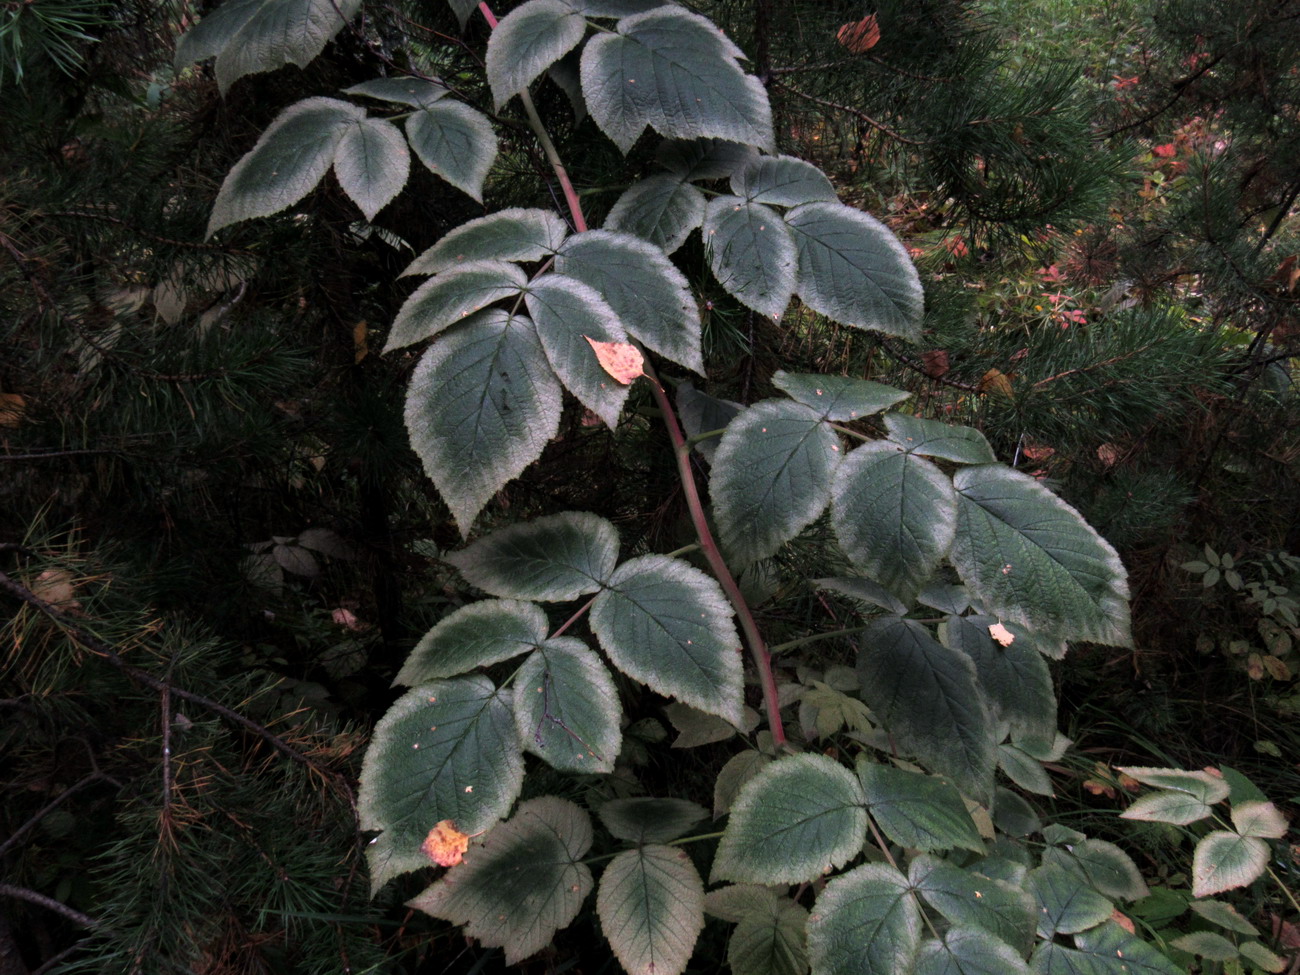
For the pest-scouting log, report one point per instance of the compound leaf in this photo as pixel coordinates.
(771, 476)
(1258, 819)
(415, 92)
(568, 314)
(644, 820)
(1178, 808)
(1065, 906)
(962, 445)
(452, 297)
(967, 898)
(646, 291)
(930, 697)
(854, 270)
(771, 941)
(1015, 677)
(527, 41)
(968, 951)
(675, 72)
(838, 397)
(667, 624)
(1102, 864)
(476, 635)
(1204, 786)
(372, 164)
(651, 908)
(516, 234)
(752, 253)
(782, 181)
(552, 559)
(1105, 950)
(918, 811)
(662, 209)
(894, 515)
(290, 158)
(795, 819)
(567, 708)
(445, 750)
(455, 142)
(699, 159)
(1031, 559)
(865, 922)
(522, 883)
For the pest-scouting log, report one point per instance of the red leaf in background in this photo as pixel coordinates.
(1166, 151)
(935, 362)
(861, 35)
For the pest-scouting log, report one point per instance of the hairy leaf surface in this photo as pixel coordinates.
(455, 142)
(445, 750)
(795, 819)
(645, 820)
(516, 234)
(567, 708)
(967, 898)
(838, 397)
(917, 811)
(415, 92)
(372, 164)
(675, 72)
(452, 297)
(1178, 808)
(481, 406)
(752, 253)
(527, 41)
(770, 941)
(522, 883)
(1065, 906)
(1014, 677)
(968, 951)
(476, 635)
(1224, 860)
(1031, 559)
(667, 624)
(662, 209)
(550, 559)
(698, 159)
(782, 181)
(963, 445)
(651, 908)
(771, 476)
(865, 922)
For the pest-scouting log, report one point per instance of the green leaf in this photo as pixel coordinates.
(782, 181)
(864, 591)
(1065, 906)
(1241, 789)
(702, 413)
(251, 36)
(1204, 786)
(930, 698)
(734, 902)
(771, 477)
(1123, 953)
(732, 778)
(700, 159)
(643, 821)
(967, 898)
(1224, 915)
(477, 635)
(567, 708)
(752, 253)
(1262, 958)
(290, 158)
(648, 294)
(771, 942)
(968, 951)
(463, 9)
(455, 142)
(894, 515)
(568, 313)
(1031, 559)
(1178, 808)
(452, 297)
(792, 821)
(522, 883)
(515, 234)
(372, 164)
(662, 209)
(552, 559)
(415, 92)
(1261, 819)
(445, 750)
(865, 922)
(527, 41)
(854, 270)
(947, 441)
(838, 397)
(1024, 770)
(1015, 678)
(1102, 864)
(1136, 959)
(1226, 860)
(481, 406)
(651, 908)
(695, 728)
(676, 72)
(614, 8)
(917, 811)
(667, 624)
(1207, 944)
(1013, 814)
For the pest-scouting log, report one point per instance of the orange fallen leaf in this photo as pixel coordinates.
(1123, 920)
(1002, 635)
(445, 845)
(860, 36)
(622, 360)
(995, 381)
(360, 343)
(1108, 454)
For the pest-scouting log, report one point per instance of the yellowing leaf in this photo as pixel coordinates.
(622, 360)
(995, 381)
(1002, 635)
(445, 845)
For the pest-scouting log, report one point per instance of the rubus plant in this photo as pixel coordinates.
(970, 575)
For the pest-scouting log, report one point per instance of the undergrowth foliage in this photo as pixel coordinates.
(897, 851)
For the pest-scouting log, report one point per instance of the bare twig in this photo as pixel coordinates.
(848, 110)
(25, 894)
(916, 366)
(48, 808)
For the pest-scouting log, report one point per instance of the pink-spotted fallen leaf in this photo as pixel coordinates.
(1002, 635)
(445, 844)
(622, 360)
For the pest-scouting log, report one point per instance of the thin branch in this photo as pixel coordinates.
(916, 366)
(55, 454)
(848, 110)
(48, 808)
(1090, 367)
(579, 614)
(25, 894)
